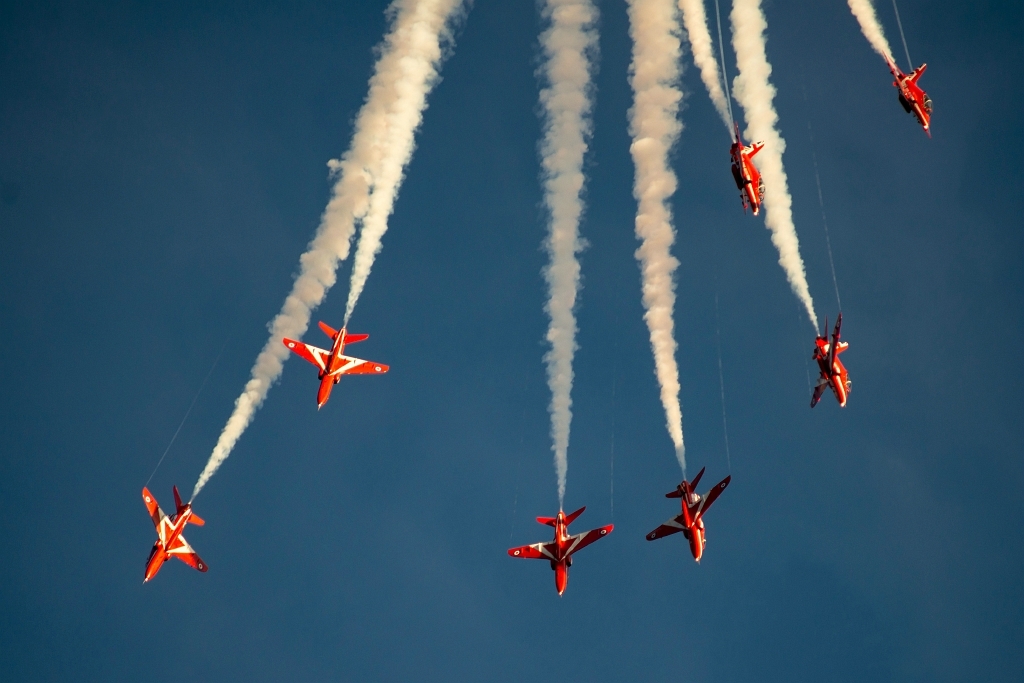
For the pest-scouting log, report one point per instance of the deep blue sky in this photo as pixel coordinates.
(162, 168)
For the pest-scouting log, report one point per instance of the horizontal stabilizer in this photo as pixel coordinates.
(328, 330)
(353, 338)
(678, 493)
(570, 518)
(196, 519)
(550, 521)
(696, 480)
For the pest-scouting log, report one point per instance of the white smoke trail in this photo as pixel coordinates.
(655, 127)
(381, 144)
(695, 21)
(756, 94)
(869, 26)
(569, 45)
(404, 113)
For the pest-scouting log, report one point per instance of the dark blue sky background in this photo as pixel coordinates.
(162, 168)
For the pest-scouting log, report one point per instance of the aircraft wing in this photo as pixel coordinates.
(537, 551)
(672, 526)
(310, 353)
(819, 389)
(358, 366)
(183, 551)
(712, 496)
(154, 509)
(580, 541)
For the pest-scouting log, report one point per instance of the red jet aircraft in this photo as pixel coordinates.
(690, 521)
(833, 373)
(747, 177)
(559, 551)
(914, 100)
(334, 363)
(170, 542)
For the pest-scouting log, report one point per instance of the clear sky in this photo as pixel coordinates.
(163, 165)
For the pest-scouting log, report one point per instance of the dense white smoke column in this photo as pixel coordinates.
(381, 145)
(865, 13)
(418, 67)
(695, 21)
(756, 94)
(655, 127)
(569, 44)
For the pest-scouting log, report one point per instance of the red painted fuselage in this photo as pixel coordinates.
(559, 551)
(333, 363)
(747, 177)
(833, 373)
(690, 520)
(170, 542)
(912, 98)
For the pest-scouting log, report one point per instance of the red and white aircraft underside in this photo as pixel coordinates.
(912, 98)
(559, 552)
(747, 177)
(170, 543)
(334, 363)
(690, 521)
(833, 372)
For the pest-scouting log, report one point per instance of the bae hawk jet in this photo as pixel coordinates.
(833, 372)
(334, 363)
(170, 543)
(691, 520)
(559, 552)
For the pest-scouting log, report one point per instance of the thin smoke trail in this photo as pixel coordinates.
(569, 44)
(864, 11)
(721, 378)
(655, 128)
(755, 94)
(903, 37)
(405, 72)
(824, 219)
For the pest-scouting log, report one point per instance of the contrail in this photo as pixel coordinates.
(655, 127)
(368, 178)
(569, 44)
(695, 21)
(865, 13)
(756, 94)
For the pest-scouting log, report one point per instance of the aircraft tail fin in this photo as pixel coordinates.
(328, 330)
(550, 521)
(178, 505)
(571, 517)
(917, 73)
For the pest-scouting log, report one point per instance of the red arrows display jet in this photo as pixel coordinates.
(691, 521)
(559, 552)
(833, 373)
(170, 543)
(914, 100)
(747, 177)
(334, 363)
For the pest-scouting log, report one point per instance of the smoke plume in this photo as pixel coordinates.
(695, 22)
(368, 178)
(569, 44)
(865, 13)
(755, 93)
(655, 127)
